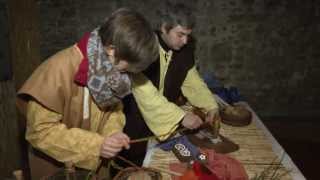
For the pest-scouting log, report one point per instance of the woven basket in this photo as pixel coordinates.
(63, 175)
(133, 173)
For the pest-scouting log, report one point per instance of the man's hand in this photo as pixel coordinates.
(113, 144)
(191, 121)
(213, 118)
(212, 115)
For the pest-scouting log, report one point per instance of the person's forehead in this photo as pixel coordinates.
(181, 29)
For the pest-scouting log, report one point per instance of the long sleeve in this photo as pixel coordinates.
(197, 92)
(47, 133)
(112, 122)
(161, 116)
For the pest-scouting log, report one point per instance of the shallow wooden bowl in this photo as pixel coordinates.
(236, 115)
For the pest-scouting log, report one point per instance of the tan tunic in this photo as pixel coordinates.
(52, 85)
(55, 123)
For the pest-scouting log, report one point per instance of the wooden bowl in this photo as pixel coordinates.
(236, 115)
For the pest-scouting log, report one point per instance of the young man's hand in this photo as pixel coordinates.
(212, 115)
(191, 121)
(113, 144)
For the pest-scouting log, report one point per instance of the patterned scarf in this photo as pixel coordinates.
(106, 84)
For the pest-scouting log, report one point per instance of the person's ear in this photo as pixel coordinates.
(163, 28)
(110, 50)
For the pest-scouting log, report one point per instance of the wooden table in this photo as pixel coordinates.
(258, 151)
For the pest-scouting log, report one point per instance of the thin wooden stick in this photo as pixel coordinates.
(167, 171)
(154, 168)
(204, 125)
(142, 139)
(127, 161)
(151, 137)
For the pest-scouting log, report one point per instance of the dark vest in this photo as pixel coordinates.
(182, 61)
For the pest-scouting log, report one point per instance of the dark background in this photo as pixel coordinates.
(268, 49)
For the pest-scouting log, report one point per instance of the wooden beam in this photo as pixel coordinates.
(24, 38)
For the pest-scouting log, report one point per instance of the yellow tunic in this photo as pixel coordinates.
(162, 116)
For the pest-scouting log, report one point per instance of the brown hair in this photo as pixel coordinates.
(132, 37)
(176, 14)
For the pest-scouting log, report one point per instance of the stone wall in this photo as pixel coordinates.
(268, 49)
(5, 65)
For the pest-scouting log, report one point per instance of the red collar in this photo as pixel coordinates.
(81, 77)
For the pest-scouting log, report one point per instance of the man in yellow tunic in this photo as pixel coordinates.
(72, 102)
(152, 108)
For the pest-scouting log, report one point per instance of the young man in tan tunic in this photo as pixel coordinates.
(72, 101)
